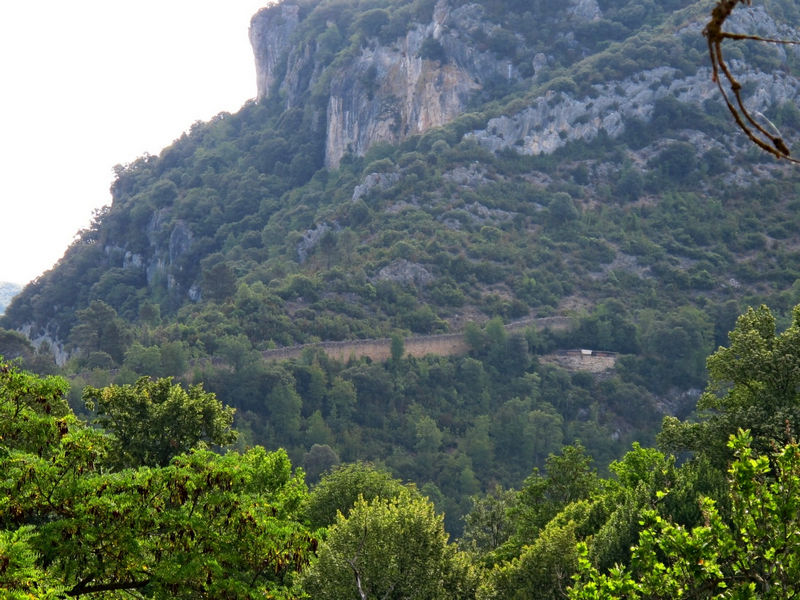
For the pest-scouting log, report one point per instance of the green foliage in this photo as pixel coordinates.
(21, 577)
(207, 258)
(488, 526)
(752, 383)
(542, 571)
(155, 420)
(100, 329)
(389, 548)
(204, 526)
(755, 555)
(15, 345)
(569, 478)
(370, 22)
(339, 490)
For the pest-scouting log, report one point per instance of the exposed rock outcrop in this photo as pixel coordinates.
(405, 272)
(385, 92)
(311, 238)
(424, 95)
(388, 91)
(373, 181)
(557, 118)
(270, 32)
(56, 346)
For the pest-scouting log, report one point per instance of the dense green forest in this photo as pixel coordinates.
(156, 453)
(114, 510)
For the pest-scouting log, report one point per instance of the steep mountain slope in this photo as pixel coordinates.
(626, 81)
(417, 166)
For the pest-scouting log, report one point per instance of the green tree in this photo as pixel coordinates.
(753, 383)
(284, 408)
(487, 525)
(100, 329)
(339, 490)
(317, 431)
(562, 210)
(568, 477)
(341, 399)
(754, 555)
(154, 420)
(389, 548)
(544, 568)
(143, 360)
(219, 282)
(398, 347)
(428, 437)
(206, 526)
(15, 345)
(319, 459)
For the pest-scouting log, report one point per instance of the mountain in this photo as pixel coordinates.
(7, 292)
(445, 119)
(412, 167)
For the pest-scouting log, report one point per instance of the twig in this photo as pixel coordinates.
(715, 35)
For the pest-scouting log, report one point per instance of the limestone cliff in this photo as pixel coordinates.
(387, 87)
(380, 92)
(248, 191)
(270, 34)
(555, 119)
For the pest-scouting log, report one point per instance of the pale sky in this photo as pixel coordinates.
(88, 84)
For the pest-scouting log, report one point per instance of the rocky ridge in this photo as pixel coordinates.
(386, 92)
(558, 118)
(384, 89)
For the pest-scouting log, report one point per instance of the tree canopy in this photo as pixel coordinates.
(204, 525)
(754, 555)
(753, 384)
(154, 420)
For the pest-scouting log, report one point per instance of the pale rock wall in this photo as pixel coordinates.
(557, 118)
(387, 92)
(60, 353)
(270, 32)
(553, 120)
(390, 93)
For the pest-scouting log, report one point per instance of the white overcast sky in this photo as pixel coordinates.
(88, 84)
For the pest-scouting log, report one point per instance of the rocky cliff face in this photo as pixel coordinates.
(383, 92)
(556, 119)
(334, 79)
(271, 31)
(397, 94)
(386, 91)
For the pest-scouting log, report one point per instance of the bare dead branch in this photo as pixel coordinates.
(352, 563)
(715, 35)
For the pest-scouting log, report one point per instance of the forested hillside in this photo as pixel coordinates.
(122, 511)
(420, 167)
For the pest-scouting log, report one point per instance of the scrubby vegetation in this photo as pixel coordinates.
(82, 514)
(121, 471)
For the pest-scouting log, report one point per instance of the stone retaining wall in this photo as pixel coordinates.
(379, 349)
